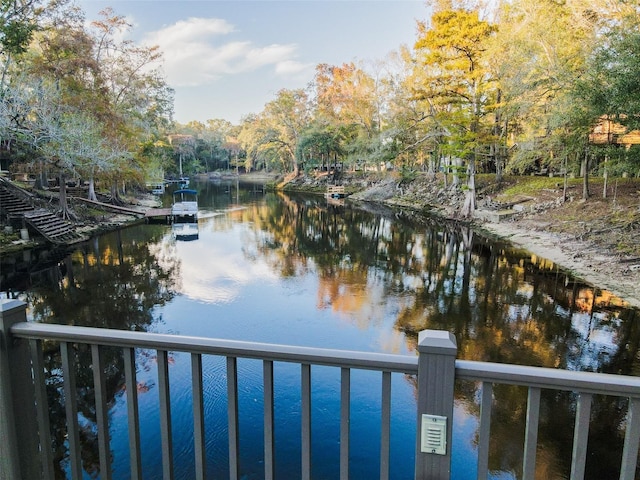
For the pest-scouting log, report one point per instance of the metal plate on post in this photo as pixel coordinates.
(434, 434)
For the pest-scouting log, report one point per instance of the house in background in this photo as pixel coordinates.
(608, 132)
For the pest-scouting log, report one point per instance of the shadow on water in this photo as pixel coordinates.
(295, 269)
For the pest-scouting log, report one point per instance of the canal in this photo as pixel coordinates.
(269, 267)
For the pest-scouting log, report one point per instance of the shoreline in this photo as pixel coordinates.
(593, 264)
(539, 232)
(582, 259)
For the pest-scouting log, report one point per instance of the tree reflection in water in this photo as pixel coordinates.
(502, 304)
(111, 282)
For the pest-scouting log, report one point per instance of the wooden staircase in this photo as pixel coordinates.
(52, 227)
(12, 204)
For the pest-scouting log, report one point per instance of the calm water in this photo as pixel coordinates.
(273, 268)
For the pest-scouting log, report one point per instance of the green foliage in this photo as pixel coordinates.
(407, 175)
(319, 143)
(522, 91)
(17, 25)
(453, 77)
(612, 87)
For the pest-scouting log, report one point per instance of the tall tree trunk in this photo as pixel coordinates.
(497, 132)
(606, 177)
(115, 196)
(470, 198)
(565, 183)
(65, 211)
(585, 176)
(445, 172)
(455, 164)
(41, 178)
(92, 189)
(494, 152)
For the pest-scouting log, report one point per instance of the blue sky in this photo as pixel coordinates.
(226, 59)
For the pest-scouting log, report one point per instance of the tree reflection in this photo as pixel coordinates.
(114, 281)
(502, 304)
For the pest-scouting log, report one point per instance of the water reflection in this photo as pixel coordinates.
(286, 269)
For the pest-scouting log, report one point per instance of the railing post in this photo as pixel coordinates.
(436, 374)
(19, 448)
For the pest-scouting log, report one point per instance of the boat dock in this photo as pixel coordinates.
(158, 215)
(335, 191)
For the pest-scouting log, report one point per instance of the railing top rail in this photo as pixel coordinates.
(550, 378)
(215, 346)
(546, 378)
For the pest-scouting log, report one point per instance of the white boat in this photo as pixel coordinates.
(184, 214)
(156, 188)
(185, 205)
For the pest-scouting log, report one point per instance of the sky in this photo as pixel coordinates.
(227, 59)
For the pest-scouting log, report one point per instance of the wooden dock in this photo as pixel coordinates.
(335, 191)
(158, 215)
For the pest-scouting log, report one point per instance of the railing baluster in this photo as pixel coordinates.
(42, 409)
(71, 409)
(306, 420)
(581, 435)
(345, 420)
(385, 427)
(133, 416)
(533, 377)
(484, 429)
(269, 427)
(232, 413)
(102, 419)
(165, 414)
(531, 434)
(198, 415)
(631, 441)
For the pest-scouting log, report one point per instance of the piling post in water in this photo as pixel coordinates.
(436, 375)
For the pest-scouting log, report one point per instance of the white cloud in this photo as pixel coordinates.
(291, 67)
(195, 52)
(192, 29)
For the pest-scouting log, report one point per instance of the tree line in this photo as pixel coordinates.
(521, 87)
(516, 87)
(78, 101)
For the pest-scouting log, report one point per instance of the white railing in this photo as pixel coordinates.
(25, 451)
